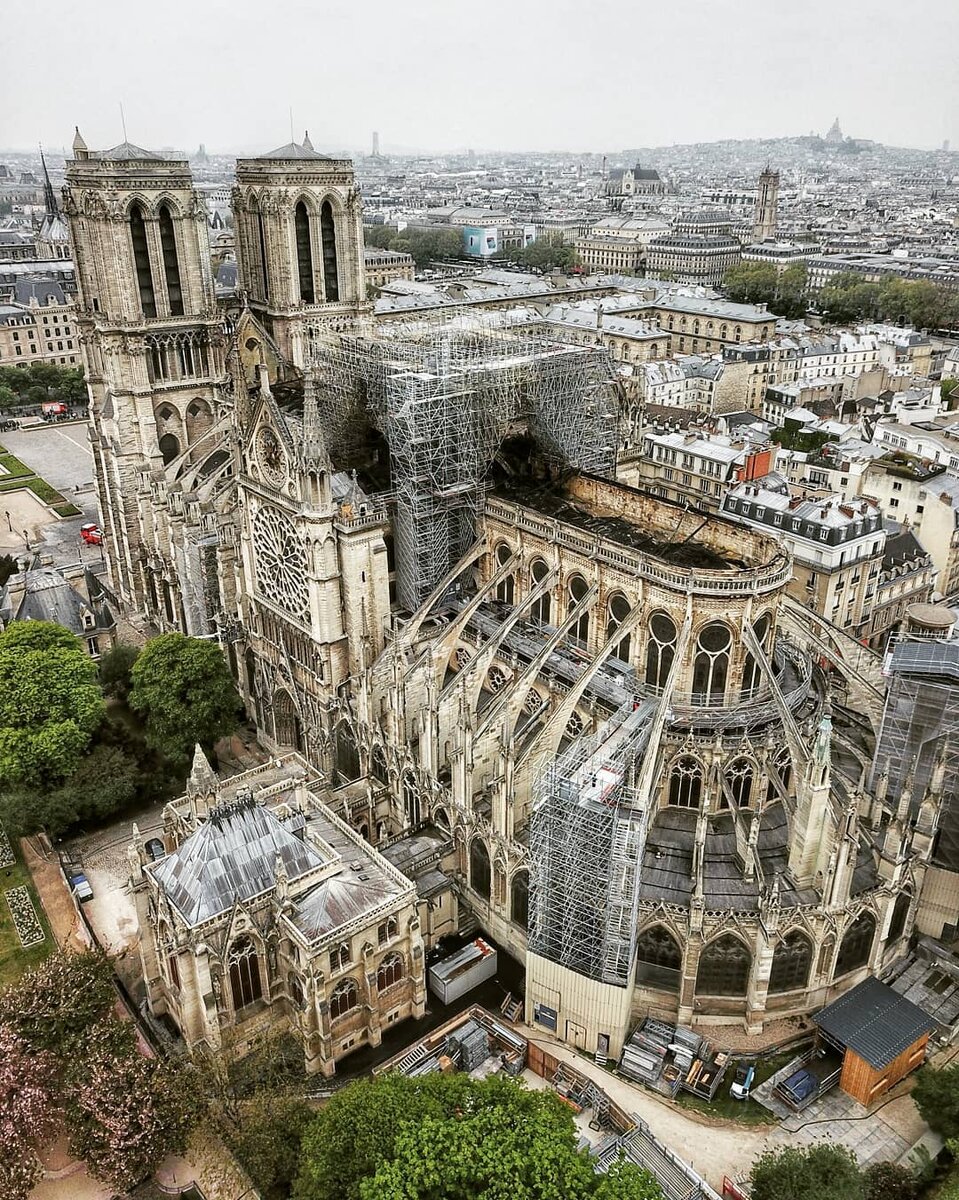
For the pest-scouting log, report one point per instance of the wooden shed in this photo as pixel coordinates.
(881, 1035)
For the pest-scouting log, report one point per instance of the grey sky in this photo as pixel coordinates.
(503, 74)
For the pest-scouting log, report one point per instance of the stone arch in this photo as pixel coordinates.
(711, 663)
(390, 971)
(856, 945)
(617, 610)
(330, 222)
(378, 765)
(287, 726)
(752, 672)
(660, 648)
(243, 965)
(170, 256)
(411, 799)
(303, 242)
(900, 911)
(506, 588)
(519, 898)
(741, 777)
(140, 250)
(686, 776)
(169, 446)
(344, 998)
(199, 419)
(792, 960)
(659, 959)
(347, 756)
(481, 872)
(576, 589)
(724, 967)
(540, 610)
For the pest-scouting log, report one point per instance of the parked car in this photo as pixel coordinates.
(155, 849)
(742, 1081)
(799, 1087)
(80, 886)
(92, 534)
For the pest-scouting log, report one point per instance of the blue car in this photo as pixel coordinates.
(799, 1087)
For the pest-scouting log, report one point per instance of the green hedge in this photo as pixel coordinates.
(14, 467)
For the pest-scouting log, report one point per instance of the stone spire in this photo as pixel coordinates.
(49, 195)
(202, 786)
(307, 144)
(79, 145)
(313, 451)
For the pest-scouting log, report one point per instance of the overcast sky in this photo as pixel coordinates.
(573, 75)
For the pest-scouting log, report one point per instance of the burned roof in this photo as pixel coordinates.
(231, 858)
(874, 1022)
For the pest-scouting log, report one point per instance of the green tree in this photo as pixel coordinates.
(50, 704)
(549, 252)
(889, 1181)
(116, 667)
(266, 1139)
(450, 1138)
(819, 1172)
(936, 1093)
(948, 392)
(751, 283)
(183, 689)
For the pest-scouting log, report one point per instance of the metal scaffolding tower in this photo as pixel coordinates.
(588, 825)
(444, 395)
(920, 722)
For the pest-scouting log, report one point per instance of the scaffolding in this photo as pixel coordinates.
(444, 395)
(588, 825)
(920, 723)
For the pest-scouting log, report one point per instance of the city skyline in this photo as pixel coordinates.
(625, 78)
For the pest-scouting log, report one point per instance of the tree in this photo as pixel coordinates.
(549, 252)
(116, 667)
(947, 390)
(890, 1181)
(936, 1093)
(446, 1137)
(126, 1113)
(28, 1112)
(53, 1006)
(50, 704)
(183, 689)
(266, 1139)
(819, 1172)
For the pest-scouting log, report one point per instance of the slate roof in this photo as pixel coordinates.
(127, 152)
(874, 1022)
(231, 857)
(294, 150)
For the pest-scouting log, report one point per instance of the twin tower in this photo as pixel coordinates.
(152, 336)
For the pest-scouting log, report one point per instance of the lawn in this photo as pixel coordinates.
(21, 476)
(14, 960)
(746, 1112)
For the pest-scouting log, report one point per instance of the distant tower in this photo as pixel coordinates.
(299, 244)
(835, 133)
(767, 206)
(376, 144)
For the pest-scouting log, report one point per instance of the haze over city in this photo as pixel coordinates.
(436, 76)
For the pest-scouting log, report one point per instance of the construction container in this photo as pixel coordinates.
(458, 974)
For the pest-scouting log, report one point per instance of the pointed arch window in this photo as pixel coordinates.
(617, 610)
(519, 899)
(389, 972)
(540, 609)
(899, 913)
(686, 782)
(171, 264)
(343, 998)
(576, 590)
(792, 959)
(480, 875)
(659, 959)
(340, 957)
(411, 801)
(506, 588)
(264, 271)
(711, 664)
(856, 945)
(660, 649)
(739, 776)
(328, 237)
(141, 262)
(304, 252)
(724, 968)
(752, 672)
(245, 985)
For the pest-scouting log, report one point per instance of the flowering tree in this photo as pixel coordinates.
(126, 1112)
(59, 1000)
(28, 1112)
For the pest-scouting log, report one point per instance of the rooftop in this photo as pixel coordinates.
(874, 1022)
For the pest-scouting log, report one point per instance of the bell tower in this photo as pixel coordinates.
(766, 216)
(151, 338)
(299, 245)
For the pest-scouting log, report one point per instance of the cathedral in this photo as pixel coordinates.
(535, 701)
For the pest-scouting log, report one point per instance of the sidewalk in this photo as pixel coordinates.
(54, 895)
